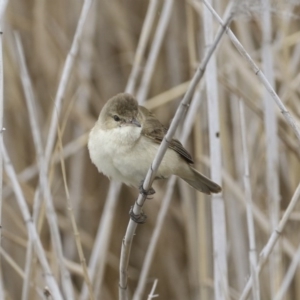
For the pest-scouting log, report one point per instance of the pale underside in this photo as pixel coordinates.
(124, 155)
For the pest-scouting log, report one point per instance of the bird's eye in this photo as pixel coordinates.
(116, 118)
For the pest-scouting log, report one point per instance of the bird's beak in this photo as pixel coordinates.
(136, 122)
(132, 122)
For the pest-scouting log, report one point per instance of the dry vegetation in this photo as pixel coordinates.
(183, 261)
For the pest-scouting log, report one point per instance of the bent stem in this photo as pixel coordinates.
(265, 253)
(127, 241)
(262, 78)
(31, 228)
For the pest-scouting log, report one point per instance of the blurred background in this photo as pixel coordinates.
(103, 61)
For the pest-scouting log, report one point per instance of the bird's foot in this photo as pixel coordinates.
(139, 219)
(150, 192)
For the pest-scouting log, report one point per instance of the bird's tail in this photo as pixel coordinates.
(202, 183)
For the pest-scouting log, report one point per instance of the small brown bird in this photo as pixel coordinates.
(125, 139)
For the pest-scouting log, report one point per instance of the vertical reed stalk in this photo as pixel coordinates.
(218, 207)
(249, 208)
(272, 157)
(2, 9)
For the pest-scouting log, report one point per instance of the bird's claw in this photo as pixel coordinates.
(139, 219)
(150, 192)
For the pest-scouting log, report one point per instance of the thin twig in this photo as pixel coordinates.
(35, 129)
(235, 219)
(258, 215)
(74, 225)
(12, 262)
(151, 295)
(167, 96)
(27, 271)
(286, 114)
(272, 156)
(31, 228)
(53, 126)
(187, 127)
(2, 9)
(219, 232)
(155, 47)
(69, 149)
(51, 215)
(145, 34)
(265, 253)
(98, 256)
(65, 78)
(138, 294)
(126, 245)
(97, 261)
(249, 207)
(77, 171)
(289, 276)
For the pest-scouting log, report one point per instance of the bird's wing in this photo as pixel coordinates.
(155, 131)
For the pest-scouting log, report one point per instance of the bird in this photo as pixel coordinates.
(124, 142)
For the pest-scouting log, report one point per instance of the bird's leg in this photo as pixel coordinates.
(151, 191)
(140, 218)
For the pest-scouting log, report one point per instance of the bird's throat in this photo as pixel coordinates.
(126, 135)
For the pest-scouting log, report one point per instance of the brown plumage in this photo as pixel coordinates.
(125, 139)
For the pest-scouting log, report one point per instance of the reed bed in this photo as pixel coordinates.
(63, 223)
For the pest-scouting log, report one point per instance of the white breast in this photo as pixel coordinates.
(109, 148)
(123, 155)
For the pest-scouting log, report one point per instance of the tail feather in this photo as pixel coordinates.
(202, 183)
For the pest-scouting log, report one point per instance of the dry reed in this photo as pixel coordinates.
(73, 56)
